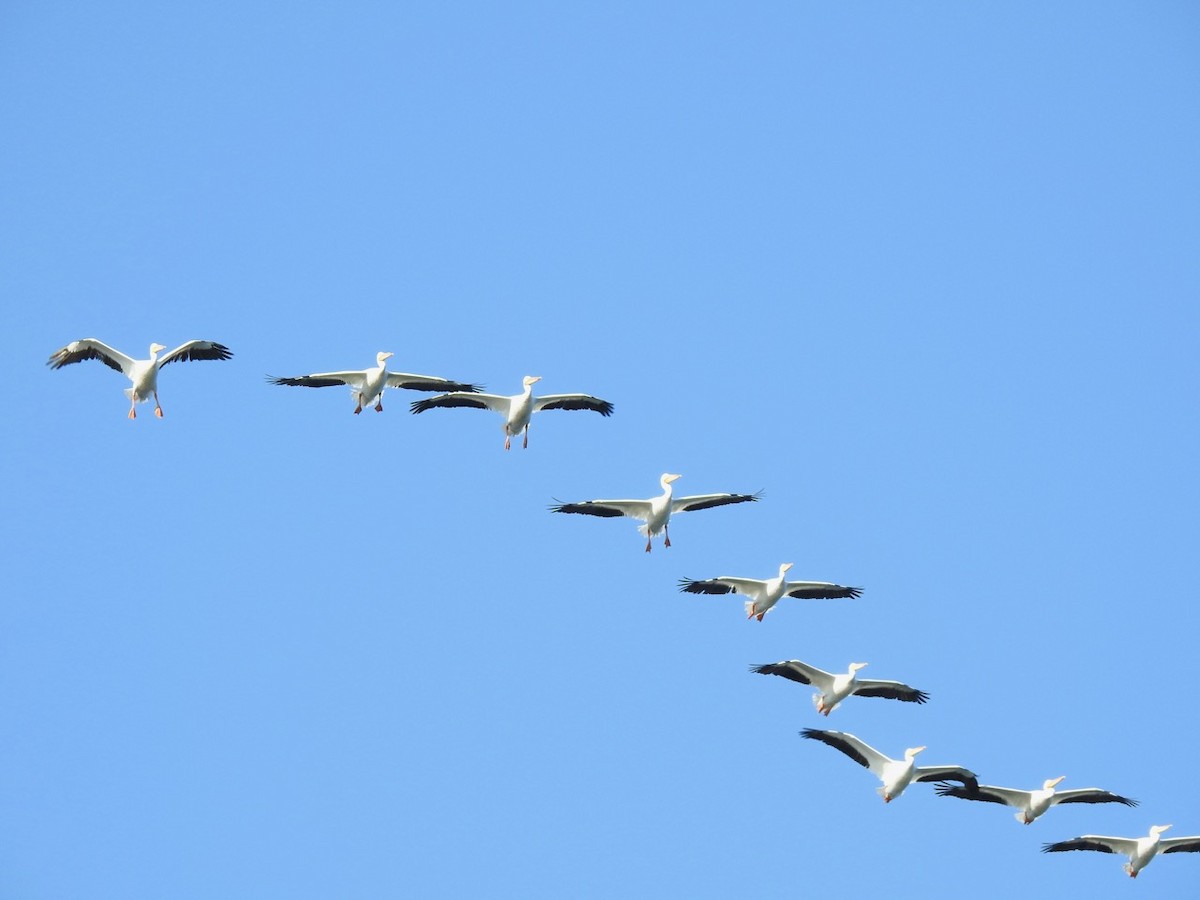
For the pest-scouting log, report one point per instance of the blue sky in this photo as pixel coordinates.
(923, 273)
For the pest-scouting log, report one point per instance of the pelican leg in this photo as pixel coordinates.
(525, 442)
(760, 615)
(507, 441)
(666, 536)
(358, 408)
(157, 406)
(647, 543)
(133, 410)
(379, 405)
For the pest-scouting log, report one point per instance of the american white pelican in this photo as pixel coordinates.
(1032, 804)
(833, 689)
(655, 512)
(765, 594)
(369, 384)
(896, 774)
(1139, 850)
(142, 372)
(517, 409)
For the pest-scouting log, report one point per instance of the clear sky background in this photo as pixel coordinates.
(925, 273)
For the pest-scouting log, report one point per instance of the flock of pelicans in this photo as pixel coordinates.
(367, 387)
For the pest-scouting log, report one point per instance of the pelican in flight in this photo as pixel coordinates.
(655, 512)
(143, 373)
(1139, 850)
(517, 409)
(765, 594)
(896, 774)
(833, 689)
(1031, 804)
(369, 384)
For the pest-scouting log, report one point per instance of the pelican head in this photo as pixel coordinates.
(1159, 829)
(854, 667)
(785, 567)
(531, 380)
(383, 356)
(157, 348)
(911, 752)
(668, 478)
(1051, 783)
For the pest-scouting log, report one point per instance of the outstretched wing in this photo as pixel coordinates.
(1089, 795)
(634, 509)
(890, 690)
(862, 753)
(707, 501)
(1189, 844)
(323, 379)
(1098, 842)
(90, 348)
(572, 401)
(194, 350)
(793, 670)
(821, 590)
(722, 585)
(469, 399)
(429, 383)
(983, 792)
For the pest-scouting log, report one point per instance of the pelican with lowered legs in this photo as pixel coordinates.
(517, 409)
(368, 385)
(657, 511)
(1139, 851)
(1031, 804)
(142, 373)
(896, 774)
(833, 689)
(763, 594)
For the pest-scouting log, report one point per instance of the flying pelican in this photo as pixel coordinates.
(896, 774)
(1032, 804)
(833, 689)
(142, 372)
(369, 384)
(765, 594)
(517, 409)
(655, 512)
(1139, 850)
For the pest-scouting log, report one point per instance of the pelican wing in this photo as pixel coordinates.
(194, 350)
(573, 401)
(794, 670)
(470, 399)
(429, 383)
(1189, 844)
(1089, 795)
(890, 690)
(90, 348)
(863, 754)
(707, 501)
(1098, 842)
(722, 585)
(634, 509)
(323, 379)
(821, 590)
(946, 773)
(983, 792)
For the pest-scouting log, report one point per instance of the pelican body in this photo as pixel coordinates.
(895, 774)
(657, 511)
(1032, 804)
(367, 385)
(1139, 851)
(142, 373)
(517, 409)
(764, 594)
(833, 689)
